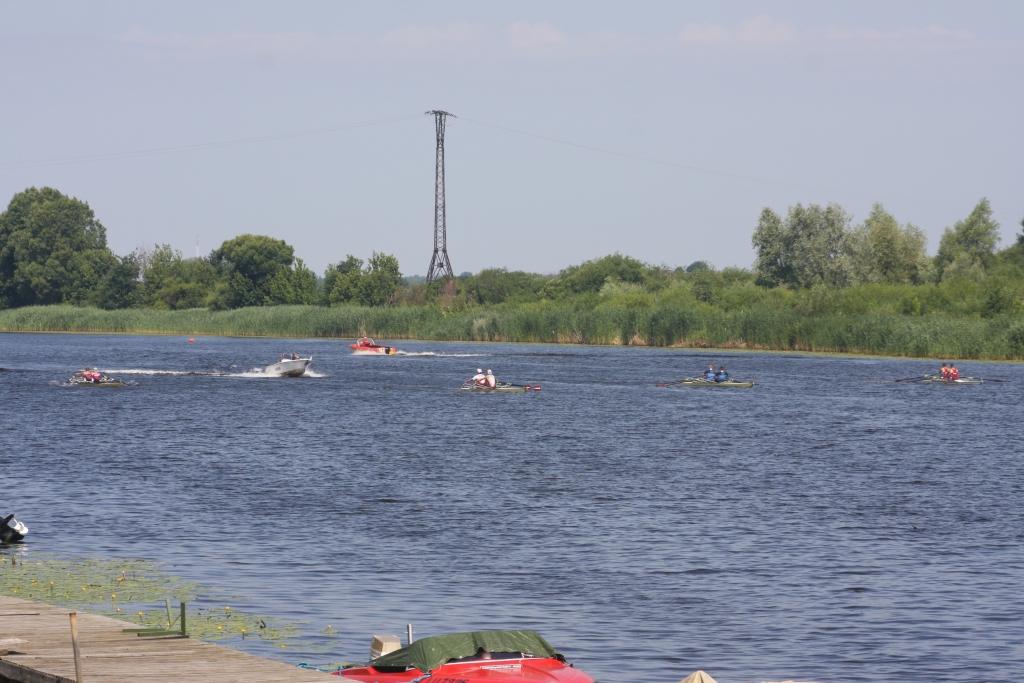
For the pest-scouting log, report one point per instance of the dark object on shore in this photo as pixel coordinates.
(11, 530)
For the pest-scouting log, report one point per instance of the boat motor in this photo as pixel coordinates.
(11, 530)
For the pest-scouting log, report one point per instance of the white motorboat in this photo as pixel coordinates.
(289, 366)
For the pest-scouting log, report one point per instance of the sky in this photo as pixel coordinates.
(659, 130)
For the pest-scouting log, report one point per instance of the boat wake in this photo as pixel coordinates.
(166, 373)
(439, 355)
(68, 384)
(258, 373)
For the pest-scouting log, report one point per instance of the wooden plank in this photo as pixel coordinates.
(43, 653)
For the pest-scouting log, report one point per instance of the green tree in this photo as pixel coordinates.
(882, 251)
(773, 258)
(380, 281)
(172, 282)
(254, 269)
(807, 249)
(341, 281)
(118, 287)
(590, 276)
(968, 248)
(52, 250)
(698, 267)
(497, 285)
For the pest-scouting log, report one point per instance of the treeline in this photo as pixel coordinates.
(53, 250)
(819, 282)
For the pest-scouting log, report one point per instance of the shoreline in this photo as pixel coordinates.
(668, 326)
(739, 347)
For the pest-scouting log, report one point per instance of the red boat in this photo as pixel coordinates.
(473, 657)
(366, 346)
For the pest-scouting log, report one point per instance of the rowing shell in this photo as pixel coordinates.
(698, 382)
(962, 380)
(501, 388)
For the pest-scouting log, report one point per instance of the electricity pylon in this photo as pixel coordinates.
(440, 266)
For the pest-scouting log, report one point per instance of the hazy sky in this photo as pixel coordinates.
(654, 129)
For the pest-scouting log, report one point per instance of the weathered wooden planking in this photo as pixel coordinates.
(37, 649)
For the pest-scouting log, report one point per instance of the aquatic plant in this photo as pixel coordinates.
(885, 319)
(137, 591)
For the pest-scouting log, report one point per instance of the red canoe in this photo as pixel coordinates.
(475, 657)
(366, 346)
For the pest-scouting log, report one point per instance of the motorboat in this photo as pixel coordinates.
(91, 377)
(500, 387)
(702, 382)
(11, 530)
(288, 366)
(364, 346)
(471, 657)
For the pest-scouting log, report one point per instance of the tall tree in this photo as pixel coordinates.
(248, 265)
(882, 251)
(807, 249)
(773, 259)
(52, 249)
(341, 281)
(380, 281)
(118, 286)
(170, 281)
(968, 248)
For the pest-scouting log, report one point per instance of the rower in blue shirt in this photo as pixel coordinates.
(721, 375)
(709, 374)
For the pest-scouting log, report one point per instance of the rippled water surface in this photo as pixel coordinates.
(829, 524)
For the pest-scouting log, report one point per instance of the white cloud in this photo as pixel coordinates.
(705, 34)
(766, 31)
(429, 38)
(524, 39)
(932, 34)
(534, 38)
(751, 32)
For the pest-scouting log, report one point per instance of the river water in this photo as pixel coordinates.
(828, 525)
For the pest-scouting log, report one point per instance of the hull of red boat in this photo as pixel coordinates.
(540, 670)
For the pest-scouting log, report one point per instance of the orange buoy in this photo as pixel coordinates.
(191, 340)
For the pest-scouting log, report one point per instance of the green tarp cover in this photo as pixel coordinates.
(426, 654)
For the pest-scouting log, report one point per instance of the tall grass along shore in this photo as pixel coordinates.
(614, 323)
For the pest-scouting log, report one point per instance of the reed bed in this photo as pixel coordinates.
(809, 321)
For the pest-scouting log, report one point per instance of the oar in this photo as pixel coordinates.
(670, 384)
(996, 380)
(915, 378)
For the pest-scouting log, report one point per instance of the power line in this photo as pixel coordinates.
(200, 146)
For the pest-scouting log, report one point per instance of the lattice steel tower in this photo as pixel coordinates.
(440, 266)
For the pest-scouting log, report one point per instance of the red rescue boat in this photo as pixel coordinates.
(365, 346)
(474, 657)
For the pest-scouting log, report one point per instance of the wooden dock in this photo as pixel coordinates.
(35, 647)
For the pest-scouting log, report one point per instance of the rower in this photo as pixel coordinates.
(479, 378)
(709, 374)
(492, 381)
(721, 375)
(944, 372)
(954, 374)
